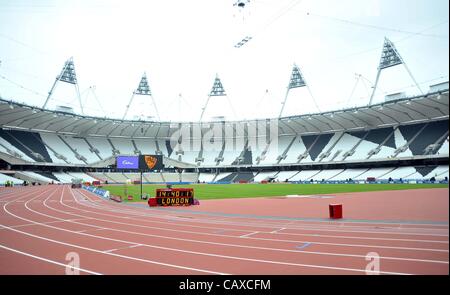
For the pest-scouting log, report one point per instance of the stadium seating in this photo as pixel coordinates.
(34, 177)
(297, 148)
(305, 175)
(102, 145)
(82, 176)
(61, 152)
(63, 177)
(146, 146)
(378, 173)
(13, 151)
(285, 175)
(80, 146)
(189, 177)
(261, 176)
(349, 174)
(206, 177)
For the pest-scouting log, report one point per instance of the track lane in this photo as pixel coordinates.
(257, 258)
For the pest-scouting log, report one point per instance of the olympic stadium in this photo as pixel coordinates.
(264, 187)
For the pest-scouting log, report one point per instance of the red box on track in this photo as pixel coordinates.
(152, 202)
(335, 211)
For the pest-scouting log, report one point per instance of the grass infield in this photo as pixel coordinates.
(226, 191)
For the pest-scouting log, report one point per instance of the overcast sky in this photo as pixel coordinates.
(182, 45)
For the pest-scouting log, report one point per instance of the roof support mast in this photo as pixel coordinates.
(297, 81)
(389, 58)
(217, 90)
(143, 89)
(67, 75)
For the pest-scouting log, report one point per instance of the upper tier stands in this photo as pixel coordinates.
(430, 138)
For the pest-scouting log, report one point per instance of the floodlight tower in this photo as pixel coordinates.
(390, 58)
(143, 89)
(216, 91)
(297, 81)
(67, 75)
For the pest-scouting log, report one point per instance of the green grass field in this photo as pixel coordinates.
(224, 191)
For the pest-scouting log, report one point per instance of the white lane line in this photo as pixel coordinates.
(249, 234)
(251, 247)
(277, 230)
(48, 260)
(91, 229)
(94, 250)
(123, 248)
(277, 240)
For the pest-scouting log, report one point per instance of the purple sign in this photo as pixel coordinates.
(127, 162)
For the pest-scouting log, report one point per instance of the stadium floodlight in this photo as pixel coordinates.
(67, 75)
(143, 89)
(390, 57)
(296, 81)
(216, 90)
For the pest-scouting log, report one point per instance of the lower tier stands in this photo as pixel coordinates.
(4, 178)
(439, 173)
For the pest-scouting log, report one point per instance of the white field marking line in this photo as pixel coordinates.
(184, 231)
(47, 260)
(254, 247)
(185, 251)
(249, 234)
(244, 225)
(94, 250)
(211, 221)
(277, 230)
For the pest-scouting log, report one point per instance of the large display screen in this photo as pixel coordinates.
(127, 162)
(151, 162)
(142, 162)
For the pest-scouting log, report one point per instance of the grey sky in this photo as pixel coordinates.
(182, 45)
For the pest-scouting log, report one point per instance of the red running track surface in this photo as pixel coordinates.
(41, 226)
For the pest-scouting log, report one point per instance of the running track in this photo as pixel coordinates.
(39, 226)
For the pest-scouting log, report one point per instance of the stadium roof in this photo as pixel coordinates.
(432, 106)
(181, 45)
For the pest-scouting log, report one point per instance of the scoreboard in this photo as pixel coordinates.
(175, 197)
